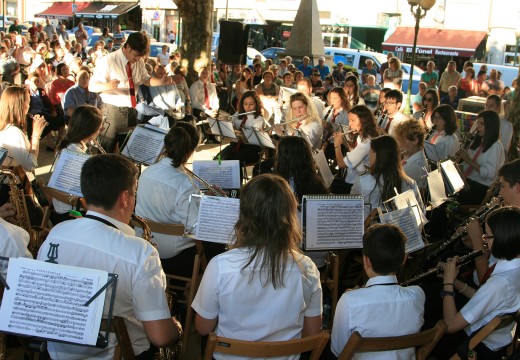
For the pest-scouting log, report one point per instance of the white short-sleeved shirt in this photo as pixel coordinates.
(140, 287)
(113, 67)
(446, 145)
(499, 295)
(16, 142)
(246, 310)
(163, 196)
(489, 161)
(380, 309)
(13, 243)
(356, 159)
(197, 95)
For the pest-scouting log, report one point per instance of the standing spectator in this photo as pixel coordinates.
(49, 29)
(385, 65)
(393, 76)
(322, 68)
(164, 57)
(81, 35)
(257, 74)
(15, 26)
(339, 74)
(277, 80)
(430, 77)
(317, 83)
(171, 37)
(468, 85)
(449, 78)
(63, 33)
(33, 30)
(493, 85)
(466, 65)
(369, 69)
(305, 67)
(119, 37)
(105, 36)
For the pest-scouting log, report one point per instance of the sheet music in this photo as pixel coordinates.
(145, 144)
(436, 188)
(407, 199)
(259, 138)
(222, 128)
(333, 222)
(225, 175)
(432, 151)
(456, 183)
(67, 172)
(323, 167)
(217, 219)
(47, 300)
(405, 220)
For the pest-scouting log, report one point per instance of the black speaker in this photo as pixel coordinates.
(232, 45)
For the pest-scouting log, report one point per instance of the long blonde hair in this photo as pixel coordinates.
(12, 107)
(312, 112)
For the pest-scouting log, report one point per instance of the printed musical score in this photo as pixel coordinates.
(145, 144)
(222, 128)
(405, 220)
(405, 200)
(333, 222)
(66, 174)
(453, 179)
(217, 219)
(47, 301)
(260, 138)
(436, 188)
(323, 167)
(226, 175)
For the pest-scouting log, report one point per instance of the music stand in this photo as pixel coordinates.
(224, 129)
(258, 138)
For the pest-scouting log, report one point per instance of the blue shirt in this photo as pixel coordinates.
(77, 96)
(324, 71)
(306, 70)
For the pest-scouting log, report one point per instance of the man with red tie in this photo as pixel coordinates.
(393, 102)
(117, 77)
(204, 99)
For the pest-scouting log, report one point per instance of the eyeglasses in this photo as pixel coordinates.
(390, 102)
(486, 237)
(429, 99)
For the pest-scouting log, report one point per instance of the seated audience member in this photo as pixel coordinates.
(370, 92)
(264, 265)
(106, 242)
(452, 99)
(410, 136)
(382, 308)
(417, 98)
(79, 94)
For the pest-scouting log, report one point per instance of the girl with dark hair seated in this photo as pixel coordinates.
(483, 159)
(443, 135)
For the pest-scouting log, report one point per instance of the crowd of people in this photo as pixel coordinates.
(264, 287)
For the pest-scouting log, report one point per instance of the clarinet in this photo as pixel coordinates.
(463, 260)
(382, 118)
(480, 214)
(327, 128)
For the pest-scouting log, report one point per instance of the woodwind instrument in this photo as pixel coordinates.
(480, 214)
(300, 118)
(147, 233)
(17, 198)
(383, 117)
(463, 260)
(216, 190)
(379, 110)
(327, 127)
(465, 142)
(429, 133)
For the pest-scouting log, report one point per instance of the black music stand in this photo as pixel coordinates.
(223, 129)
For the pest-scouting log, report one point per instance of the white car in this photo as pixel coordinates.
(251, 53)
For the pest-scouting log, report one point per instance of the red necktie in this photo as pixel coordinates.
(333, 120)
(470, 169)
(133, 99)
(298, 125)
(206, 97)
(388, 124)
(432, 140)
(487, 274)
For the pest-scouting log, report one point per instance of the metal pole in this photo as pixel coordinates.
(417, 15)
(227, 8)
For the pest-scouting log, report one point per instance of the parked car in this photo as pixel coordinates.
(251, 53)
(156, 48)
(272, 53)
(509, 73)
(417, 72)
(92, 39)
(90, 30)
(128, 32)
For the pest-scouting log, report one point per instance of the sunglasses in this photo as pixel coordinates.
(428, 99)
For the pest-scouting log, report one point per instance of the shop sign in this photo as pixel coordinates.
(286, 34)
(430, 51)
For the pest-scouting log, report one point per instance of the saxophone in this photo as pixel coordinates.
(147, 233)
(17, 198)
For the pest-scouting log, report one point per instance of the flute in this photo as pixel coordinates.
(216, 190)
(300, 118)
(463, 260)
(343, 133)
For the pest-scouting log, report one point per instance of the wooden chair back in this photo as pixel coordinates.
(123, 349)
(424, 342)
(51, 194)
(496, 323)
(263, 349)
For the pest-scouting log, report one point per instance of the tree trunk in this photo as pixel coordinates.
(197, 31)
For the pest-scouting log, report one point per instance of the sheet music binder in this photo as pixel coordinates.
(257, 137)
(138, 157)
(102, 341)
(222, 128)
(348, 233)
(454, 180)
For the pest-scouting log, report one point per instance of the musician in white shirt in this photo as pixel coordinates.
(444, 132)
(393, 102)
(13, 239)
(410, 137)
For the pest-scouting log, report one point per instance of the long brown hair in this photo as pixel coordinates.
(268, 225)
(12, 107)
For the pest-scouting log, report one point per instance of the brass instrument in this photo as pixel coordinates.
(463, 260)
(480, 214)
(17, 198)
(216, 190)
(98, 146)
(147, 233)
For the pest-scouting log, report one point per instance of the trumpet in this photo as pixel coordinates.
(463, 260)
(480, 214)
(216, 190)
(98, 146)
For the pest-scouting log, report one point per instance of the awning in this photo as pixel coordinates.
(435, 42)
(62, 9)
(106, 9)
